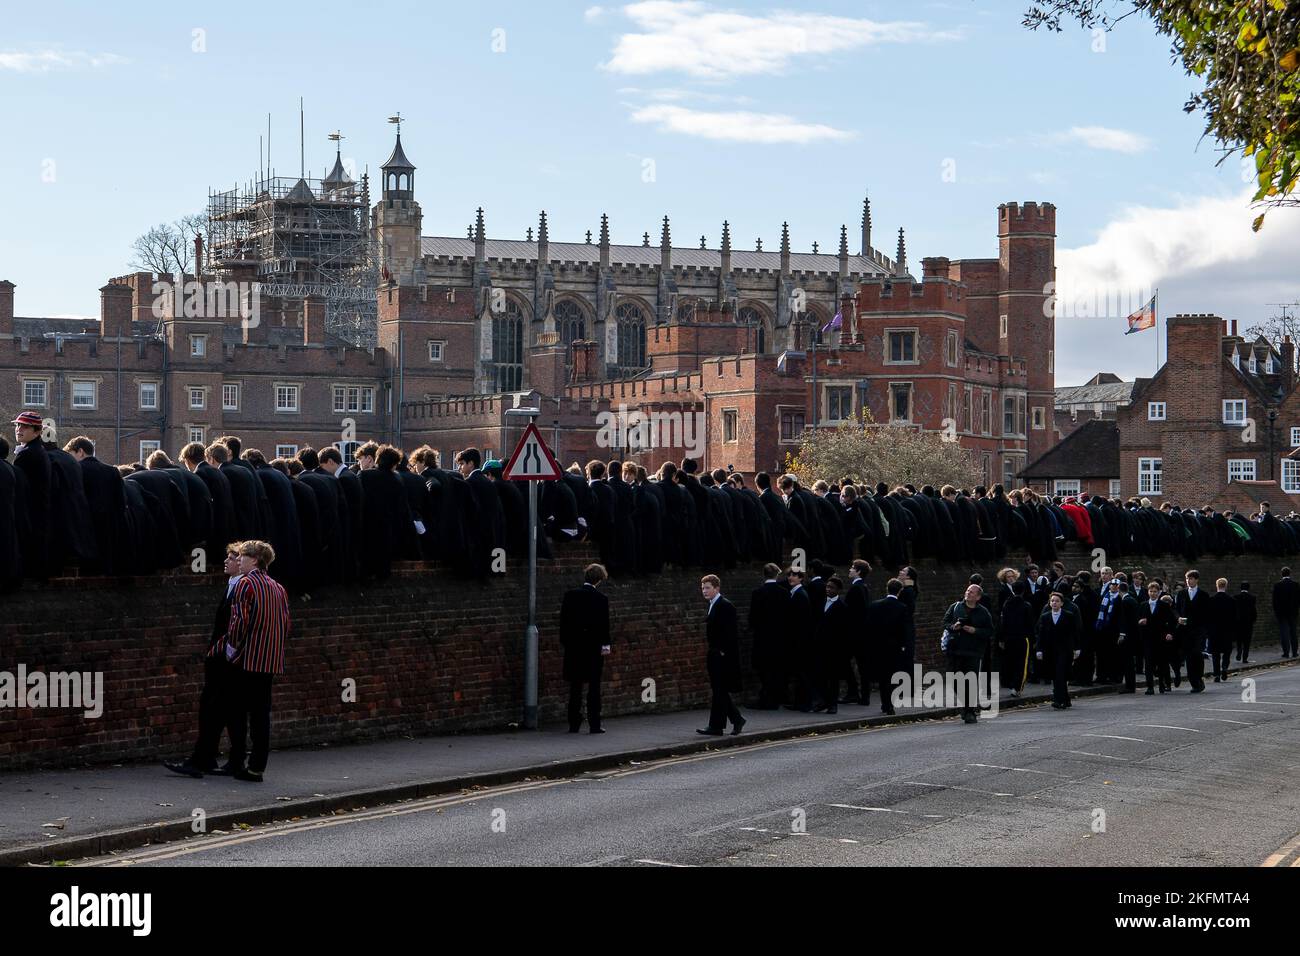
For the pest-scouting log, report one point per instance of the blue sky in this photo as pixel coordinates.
(752, 112)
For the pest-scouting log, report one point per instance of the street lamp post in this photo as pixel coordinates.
(530, 633)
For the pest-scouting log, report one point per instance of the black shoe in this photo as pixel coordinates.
(248, 776)
(887, 711)
(574, 728)
(737, 726)
(183, 767)
(1058, 707)
(849, 700)
(1151, 691)
(832, 710)
(710, 732)
(596, 730)
(1197, 690)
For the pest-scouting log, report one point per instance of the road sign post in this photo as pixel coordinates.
(532, 462)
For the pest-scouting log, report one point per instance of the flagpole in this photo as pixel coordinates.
(1157, 311)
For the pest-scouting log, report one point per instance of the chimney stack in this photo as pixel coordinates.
(584, 361)
(116, 308)
(313, 321)
(1288, 365)
(935, 267)
(6, 308)
(198, 255)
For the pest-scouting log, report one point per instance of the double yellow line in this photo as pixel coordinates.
(171, 851)
(1276, 859)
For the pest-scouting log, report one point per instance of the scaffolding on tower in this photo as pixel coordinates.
(308, 237)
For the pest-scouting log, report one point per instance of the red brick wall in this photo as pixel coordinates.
(429, 653)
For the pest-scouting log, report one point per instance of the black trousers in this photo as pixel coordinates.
(250, 715)
(883, 668)
(1061, 679)
(1127, 661)
(219, 683)
(967, 691)
(593, 697)
(1243, 645)
(1220, 655)
(860, 689)
(1193, 647)
(722, 708)
(1153, 658)
(1015, 663)
(1045, 670)
(1286, 632)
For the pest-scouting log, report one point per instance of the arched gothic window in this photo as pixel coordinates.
(508, 349)
(631, 322)
(753, 318)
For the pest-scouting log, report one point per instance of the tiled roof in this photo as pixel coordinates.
(1090, 451)
(1118, 392)
(683, 257)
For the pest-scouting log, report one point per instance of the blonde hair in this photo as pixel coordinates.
(262, 552)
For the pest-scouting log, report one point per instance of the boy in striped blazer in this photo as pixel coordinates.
(254, 645)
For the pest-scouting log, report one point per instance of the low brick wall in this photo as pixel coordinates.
(429, 653)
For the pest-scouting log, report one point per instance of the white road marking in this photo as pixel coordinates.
(993, 766)
(1230, 710)
(1225, 720)
(849, 806)
(1190, 730)
(601, 861)
(1138, 740)
(1086, 753)
(662, 863)
(945, 786)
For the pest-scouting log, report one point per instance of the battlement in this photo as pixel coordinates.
(686, 385)
(1028, 217)
(935, 293)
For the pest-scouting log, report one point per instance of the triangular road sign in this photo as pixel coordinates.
(532, 460)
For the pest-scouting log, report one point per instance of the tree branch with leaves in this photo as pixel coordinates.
(1247, 55)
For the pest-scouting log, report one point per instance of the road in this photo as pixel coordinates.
(1175, 780)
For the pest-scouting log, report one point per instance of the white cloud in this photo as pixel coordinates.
(736, 127)
(676, 95)
(592, 13)
(47, 61)
(1103, 137)
(701, 40)
(1203, 257)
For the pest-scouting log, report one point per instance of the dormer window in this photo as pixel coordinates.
(1236, 360)
(1254, 365)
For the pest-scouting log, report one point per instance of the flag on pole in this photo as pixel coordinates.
(835, 323)
(1143, 319)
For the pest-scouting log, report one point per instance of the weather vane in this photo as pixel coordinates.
(335, 136)
(396, 119)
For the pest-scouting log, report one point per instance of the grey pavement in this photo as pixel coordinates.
(1174, 780)
(123, 806)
